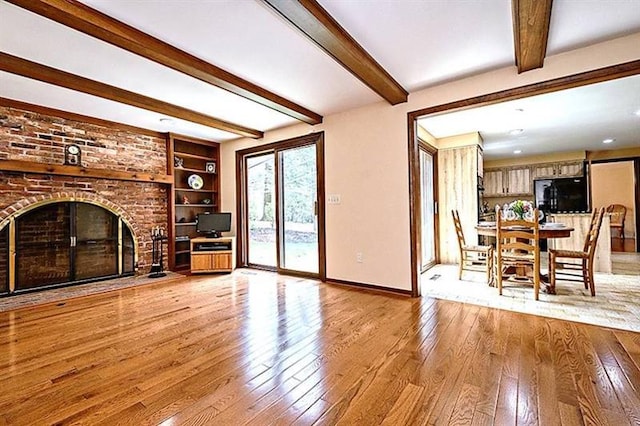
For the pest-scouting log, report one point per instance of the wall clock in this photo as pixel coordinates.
(72, 155)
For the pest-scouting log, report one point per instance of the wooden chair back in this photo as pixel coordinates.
(591, 239)
(618, 213)
(518, 235)
(458, 226)
(517, 248)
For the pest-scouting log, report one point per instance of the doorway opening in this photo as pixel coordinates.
(614, 186)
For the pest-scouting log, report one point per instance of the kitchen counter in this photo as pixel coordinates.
(580, 222)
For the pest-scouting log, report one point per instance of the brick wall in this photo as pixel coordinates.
(35, 137)
(30, 136)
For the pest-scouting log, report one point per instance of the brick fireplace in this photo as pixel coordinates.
(117, 175)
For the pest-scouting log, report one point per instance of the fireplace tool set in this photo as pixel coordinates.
(158, 237)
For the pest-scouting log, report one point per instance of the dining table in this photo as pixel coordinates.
(545, 232)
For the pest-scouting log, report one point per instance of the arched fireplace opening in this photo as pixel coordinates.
(59, 243)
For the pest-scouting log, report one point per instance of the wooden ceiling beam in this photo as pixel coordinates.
(23, 67)
(314, 21)
(96, 24)
(531, 19)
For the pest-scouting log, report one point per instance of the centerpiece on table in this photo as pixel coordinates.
(520, 209)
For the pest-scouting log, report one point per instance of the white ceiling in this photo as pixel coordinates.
(568, 120)
(420, 43)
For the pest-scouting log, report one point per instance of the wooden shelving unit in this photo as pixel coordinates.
(186, 202)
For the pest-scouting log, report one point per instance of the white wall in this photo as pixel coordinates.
(367, 164)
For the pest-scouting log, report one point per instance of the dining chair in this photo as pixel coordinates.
(518, 251)
(563, 261)
(616, 221)
(472, 258)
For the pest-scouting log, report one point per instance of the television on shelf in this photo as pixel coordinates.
(212, 224)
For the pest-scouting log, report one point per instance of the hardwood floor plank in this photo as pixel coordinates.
(401, 411)
(257, 348)
(548, 409)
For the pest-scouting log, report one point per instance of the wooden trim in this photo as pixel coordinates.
(279, 210)
(96, 24)
(321, 197)
(613, 154)
(24, 106)
(171, 205)
(576, 80)
(376, 288)
(636, 166)
(531, 19)
(242, 228)
(315, 22)
(63, 170)
(414, 206)
(40, 72)
(195, 140)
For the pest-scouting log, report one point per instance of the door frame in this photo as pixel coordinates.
(242, 226)
(576, 80)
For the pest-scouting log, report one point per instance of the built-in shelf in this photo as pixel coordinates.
(203, 191)
(188, 155)
(195, 154)
(186, 169)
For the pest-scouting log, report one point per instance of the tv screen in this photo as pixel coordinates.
(213, 223)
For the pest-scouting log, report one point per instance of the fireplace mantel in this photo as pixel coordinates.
(59, 169)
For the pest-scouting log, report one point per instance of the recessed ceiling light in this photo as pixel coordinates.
(515, 132)
(517, 151)
(608, 140)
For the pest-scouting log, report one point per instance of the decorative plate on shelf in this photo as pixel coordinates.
(195, 182)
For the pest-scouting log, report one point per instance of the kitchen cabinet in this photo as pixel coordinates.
(493, 183)
(558, 170)
(507, 182)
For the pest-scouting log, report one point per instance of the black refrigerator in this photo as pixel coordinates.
(562, 195)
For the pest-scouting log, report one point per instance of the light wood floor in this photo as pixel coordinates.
(260, 349)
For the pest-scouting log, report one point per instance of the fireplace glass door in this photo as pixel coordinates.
(4, 260)
(66, 243)
(96, 242)
(43, 246)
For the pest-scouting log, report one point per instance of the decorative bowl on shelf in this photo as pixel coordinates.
(195, 181)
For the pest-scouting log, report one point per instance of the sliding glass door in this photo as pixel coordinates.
(427, 209)
(281, 223)
(261, 211)
(299, 220)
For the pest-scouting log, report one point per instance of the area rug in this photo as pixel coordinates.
(616, 304)
(57, 295)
